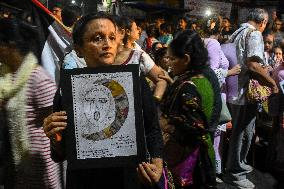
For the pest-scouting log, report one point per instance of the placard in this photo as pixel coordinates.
(104, 126)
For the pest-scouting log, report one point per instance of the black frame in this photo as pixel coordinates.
(71, 154)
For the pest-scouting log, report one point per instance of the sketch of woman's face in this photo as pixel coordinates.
(98, 107)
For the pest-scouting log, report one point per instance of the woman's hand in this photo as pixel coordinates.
(166, 77)
(150, 173)
(235, 70)
(54, 123)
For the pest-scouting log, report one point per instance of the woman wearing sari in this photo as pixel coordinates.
(191, 110)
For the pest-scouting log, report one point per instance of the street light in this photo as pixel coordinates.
(73, 1)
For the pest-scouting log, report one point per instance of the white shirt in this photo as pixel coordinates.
(246, 47)
(142, 58)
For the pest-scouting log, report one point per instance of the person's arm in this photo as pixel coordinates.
(255, 56)
(166, 77)
(53, 126)
(150, 172)
(153, 72)
(261, 74)
(234, 70)
(216, 59)
(161, 84)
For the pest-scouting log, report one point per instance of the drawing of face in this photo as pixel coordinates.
(104, 109)
(98, 107)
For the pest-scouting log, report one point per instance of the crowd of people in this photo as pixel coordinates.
(209, 91)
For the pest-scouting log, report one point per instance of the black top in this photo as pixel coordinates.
(117, 177)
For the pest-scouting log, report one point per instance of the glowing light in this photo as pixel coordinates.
(73, 2)
(208, 12)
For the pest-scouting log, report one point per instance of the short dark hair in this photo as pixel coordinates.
(186, 19)
(18, 33)
(80, 26)
(166, 27)
(70, 14)
(125, 23)
(151, 30)
(159, 54)
(59, 5)
(122, 22)
(206, 27)
(189, 42)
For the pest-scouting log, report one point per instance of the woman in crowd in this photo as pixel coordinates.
(191, 109)
(278, 56)
(219, 63)
(150, 40)
(132, 35)
(95, 40)
(127, 55)
(278, 72)
(26, 94)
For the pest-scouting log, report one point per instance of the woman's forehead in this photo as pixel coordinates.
(278, 49)
(100, 25)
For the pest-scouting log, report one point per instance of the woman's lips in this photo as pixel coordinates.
(106, 55)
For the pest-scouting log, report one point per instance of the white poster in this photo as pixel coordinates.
(104, 116)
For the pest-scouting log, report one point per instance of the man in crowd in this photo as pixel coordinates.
(70, 15)
(56, 11)
(250, 54)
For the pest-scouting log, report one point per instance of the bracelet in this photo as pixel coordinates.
(157, 98)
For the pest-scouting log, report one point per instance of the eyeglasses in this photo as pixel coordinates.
(100, 40)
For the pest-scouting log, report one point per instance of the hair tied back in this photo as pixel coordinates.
(189, 39)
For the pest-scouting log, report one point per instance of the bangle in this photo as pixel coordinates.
(157, 98)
